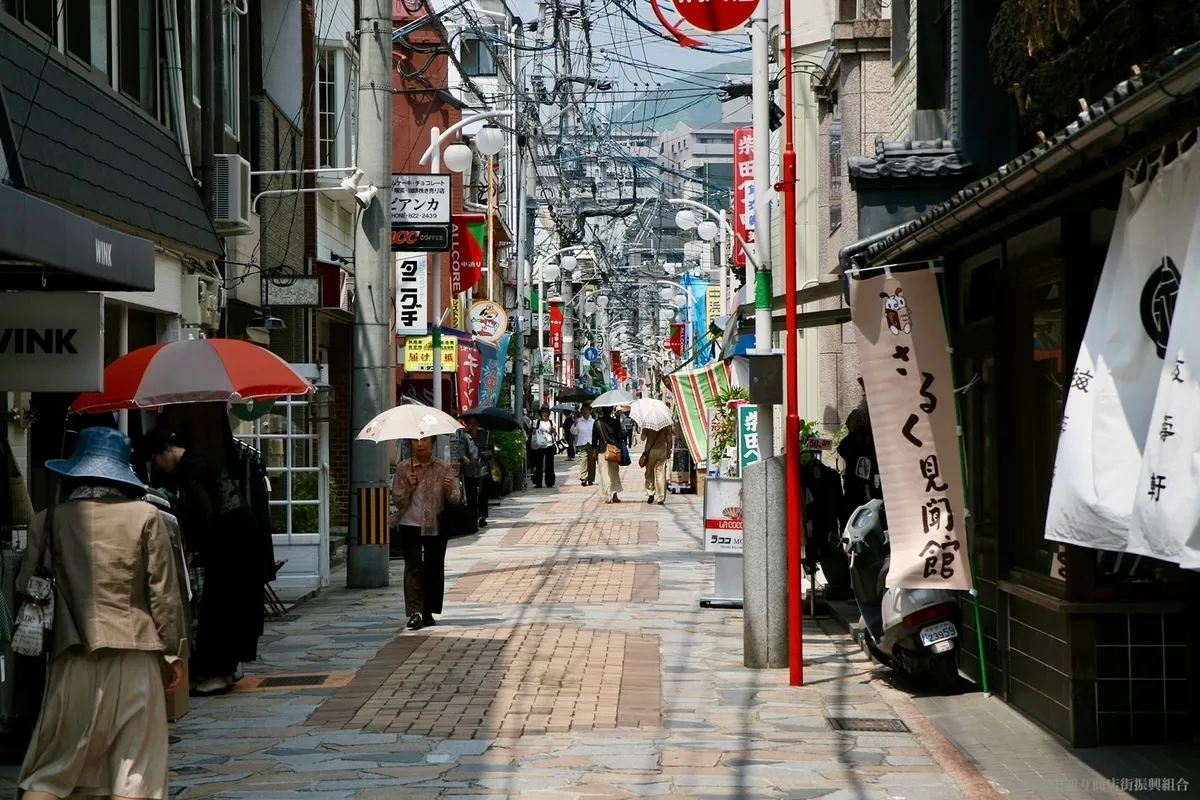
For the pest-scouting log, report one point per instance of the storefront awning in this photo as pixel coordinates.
(46, 247)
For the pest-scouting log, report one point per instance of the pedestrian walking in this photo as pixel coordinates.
(476, 466)
(582, 434)
(568, 426)
(627, 428)
(654, 459)
(421, 489)
(119, 630)
(607, 431)
(542, 448)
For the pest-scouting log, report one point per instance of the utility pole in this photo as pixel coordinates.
(373, 379)
(760, 279)
(525, 173)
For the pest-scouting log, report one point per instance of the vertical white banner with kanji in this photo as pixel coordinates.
(743, 190)
(905, 364)
(412, 288)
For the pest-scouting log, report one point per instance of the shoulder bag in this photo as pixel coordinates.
(645, 458)
(35, 621)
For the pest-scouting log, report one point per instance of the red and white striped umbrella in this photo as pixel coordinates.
(192, 371)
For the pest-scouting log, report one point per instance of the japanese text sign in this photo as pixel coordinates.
(466, 251)
(412, 294)
(420, 199)
(556, 327)
(713, 303)
(470, 364)
(749, 451)
(723, 524)
(743, 190)
(902, 350)
(418, 354)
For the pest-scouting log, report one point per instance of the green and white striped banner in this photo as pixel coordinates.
(696, 392)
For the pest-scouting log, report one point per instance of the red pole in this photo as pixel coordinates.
(792, 444)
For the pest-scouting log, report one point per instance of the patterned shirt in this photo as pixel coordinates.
(430, 491)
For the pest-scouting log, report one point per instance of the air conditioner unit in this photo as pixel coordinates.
(231, 194)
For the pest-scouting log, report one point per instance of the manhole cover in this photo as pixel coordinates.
(291, 680)
(865, 724)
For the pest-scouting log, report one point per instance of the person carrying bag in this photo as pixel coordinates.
(654, 461)
(607, 439)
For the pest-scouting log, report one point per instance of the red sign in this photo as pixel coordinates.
(675, 343)
(469, 363)
(568, 372)
(466, 251)
(716, 15)
(556, 326)
(743, 190)
(618, 369)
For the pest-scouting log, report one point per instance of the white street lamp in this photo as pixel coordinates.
(458, 158)
(666, 293)
(685, 220)
(489, 140)
(681, 300)
(550, 273)
(568, 263)
(707, 230)
(589, 308)
(602, 301)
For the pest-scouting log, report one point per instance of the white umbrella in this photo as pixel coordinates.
(412, 421)
(651, 414)
(617, 397)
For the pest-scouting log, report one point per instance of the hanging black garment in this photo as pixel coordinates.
(256, 495)
(823, 509)
(860, 482)
(226, 538)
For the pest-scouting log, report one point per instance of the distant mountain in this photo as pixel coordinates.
(681, 101)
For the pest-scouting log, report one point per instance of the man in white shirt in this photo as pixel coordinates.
(582, 431)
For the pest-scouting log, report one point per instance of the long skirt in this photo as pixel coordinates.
(103, 727)
(610, 478)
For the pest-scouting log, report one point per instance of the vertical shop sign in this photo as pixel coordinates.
(675, 343)
(491, 373)
(748, 448)
(469, 367)
(466, 251)
(714, 303)
(743, 190)
(556, 327)
(412, 287)
(905, 363)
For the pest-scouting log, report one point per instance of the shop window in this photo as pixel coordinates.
(933, 54)
(476, 57)
(1039, 392)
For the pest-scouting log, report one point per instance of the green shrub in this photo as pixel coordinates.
(305, 519)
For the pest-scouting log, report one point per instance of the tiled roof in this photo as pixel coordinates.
(81, 147)
(1121, 101)
(937, 158)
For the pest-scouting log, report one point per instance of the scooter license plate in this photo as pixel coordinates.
(938, 633)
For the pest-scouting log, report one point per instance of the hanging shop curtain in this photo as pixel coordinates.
(1110, 422)
(696, 391)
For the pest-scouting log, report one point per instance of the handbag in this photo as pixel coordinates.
(456, 519)
(20, 507)
(612, 454)
(625, 459)
(645, 457)
(35, 620)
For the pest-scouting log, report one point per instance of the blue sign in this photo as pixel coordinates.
(614, 382)
(591, 354)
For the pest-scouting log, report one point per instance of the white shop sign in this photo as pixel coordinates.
(420, 199)
(412, 287)
(723, 516)
(51, 342)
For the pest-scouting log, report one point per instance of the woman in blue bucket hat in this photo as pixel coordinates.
(119, 630)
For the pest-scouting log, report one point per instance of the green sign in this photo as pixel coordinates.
(748, 448)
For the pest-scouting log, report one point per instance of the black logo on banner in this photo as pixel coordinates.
(1158, 304)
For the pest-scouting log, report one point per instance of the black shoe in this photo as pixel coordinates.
(428, 621)
(482, 523)
(650, 500)
(662, 502)
(537, 486)
(415, 622)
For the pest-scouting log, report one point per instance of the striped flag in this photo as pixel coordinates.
(696, 391)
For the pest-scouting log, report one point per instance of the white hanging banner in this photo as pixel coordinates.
(1166, 509)
(412, 294)
(1111, 393)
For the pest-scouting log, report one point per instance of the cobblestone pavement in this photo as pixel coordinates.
(572, 662)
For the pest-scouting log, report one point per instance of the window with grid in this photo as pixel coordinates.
(476, 58)
(327, 108)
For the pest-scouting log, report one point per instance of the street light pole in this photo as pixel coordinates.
(758, 275)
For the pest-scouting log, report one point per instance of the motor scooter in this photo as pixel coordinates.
(914, 630)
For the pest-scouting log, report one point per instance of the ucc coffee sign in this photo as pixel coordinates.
(51, 342)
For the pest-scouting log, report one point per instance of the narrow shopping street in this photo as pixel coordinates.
(572, 661)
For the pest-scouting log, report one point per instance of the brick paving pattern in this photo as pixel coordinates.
(571, 580)
(529, 680)
(606, 533)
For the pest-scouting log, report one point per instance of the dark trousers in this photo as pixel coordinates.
(476, 499)
(543, 466)
(424, 570)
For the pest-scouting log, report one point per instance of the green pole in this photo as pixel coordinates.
(962, 458)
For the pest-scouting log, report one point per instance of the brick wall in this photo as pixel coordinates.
(904, 82)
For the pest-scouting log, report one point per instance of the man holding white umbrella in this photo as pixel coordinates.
(422, 488)
(654, 418)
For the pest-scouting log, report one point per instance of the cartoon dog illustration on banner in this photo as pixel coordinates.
(895, 312)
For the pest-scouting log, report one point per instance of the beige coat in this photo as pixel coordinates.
(431, 492)
(117, 585)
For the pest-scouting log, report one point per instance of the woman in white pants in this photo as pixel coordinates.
(606, 432)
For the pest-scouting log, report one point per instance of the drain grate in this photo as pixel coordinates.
(866, 724)
(279, 681)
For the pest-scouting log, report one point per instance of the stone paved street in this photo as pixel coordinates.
(572, 662)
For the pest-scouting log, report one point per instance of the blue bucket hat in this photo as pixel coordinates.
(103, 453)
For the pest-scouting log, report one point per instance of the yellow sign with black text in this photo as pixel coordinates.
(418, 354)
(713, 302)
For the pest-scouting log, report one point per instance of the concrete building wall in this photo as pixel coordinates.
(281, 47)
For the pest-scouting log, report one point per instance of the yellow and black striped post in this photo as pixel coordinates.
(373, 511)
